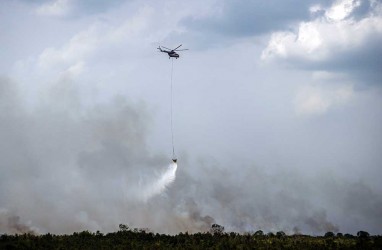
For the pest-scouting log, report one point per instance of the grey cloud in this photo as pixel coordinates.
(364, 62)
(362, 65)
(361, 62)
(364, 8)
(92, 7)
(82, 7)
(249, 18)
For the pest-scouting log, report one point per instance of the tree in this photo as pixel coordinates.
(280, 234)
(363, 234)
(217, 229)
(259, 233)
(123, 228)
(329, 234)
(270, 234)
(349, 236)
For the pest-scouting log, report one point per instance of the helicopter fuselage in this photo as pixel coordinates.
(173, 54)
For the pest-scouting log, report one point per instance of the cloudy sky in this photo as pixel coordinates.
(277, 115)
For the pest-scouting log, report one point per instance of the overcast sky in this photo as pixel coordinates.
(277, 115)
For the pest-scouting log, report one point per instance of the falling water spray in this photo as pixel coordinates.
(160, 185)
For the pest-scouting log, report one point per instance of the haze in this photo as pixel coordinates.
(277, 115)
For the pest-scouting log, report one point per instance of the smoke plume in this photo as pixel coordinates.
(11, 223)
(68, 167)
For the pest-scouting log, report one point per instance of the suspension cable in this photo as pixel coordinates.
(172, 129)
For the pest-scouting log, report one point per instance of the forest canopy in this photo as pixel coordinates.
(216, 238)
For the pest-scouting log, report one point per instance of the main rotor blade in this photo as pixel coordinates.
(177, 47)
(165, 47)
(180, 49)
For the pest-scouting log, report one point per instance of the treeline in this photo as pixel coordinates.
(127, 238)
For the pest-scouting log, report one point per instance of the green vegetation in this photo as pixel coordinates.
(127, 238)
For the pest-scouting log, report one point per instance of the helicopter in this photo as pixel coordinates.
(171, 52)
